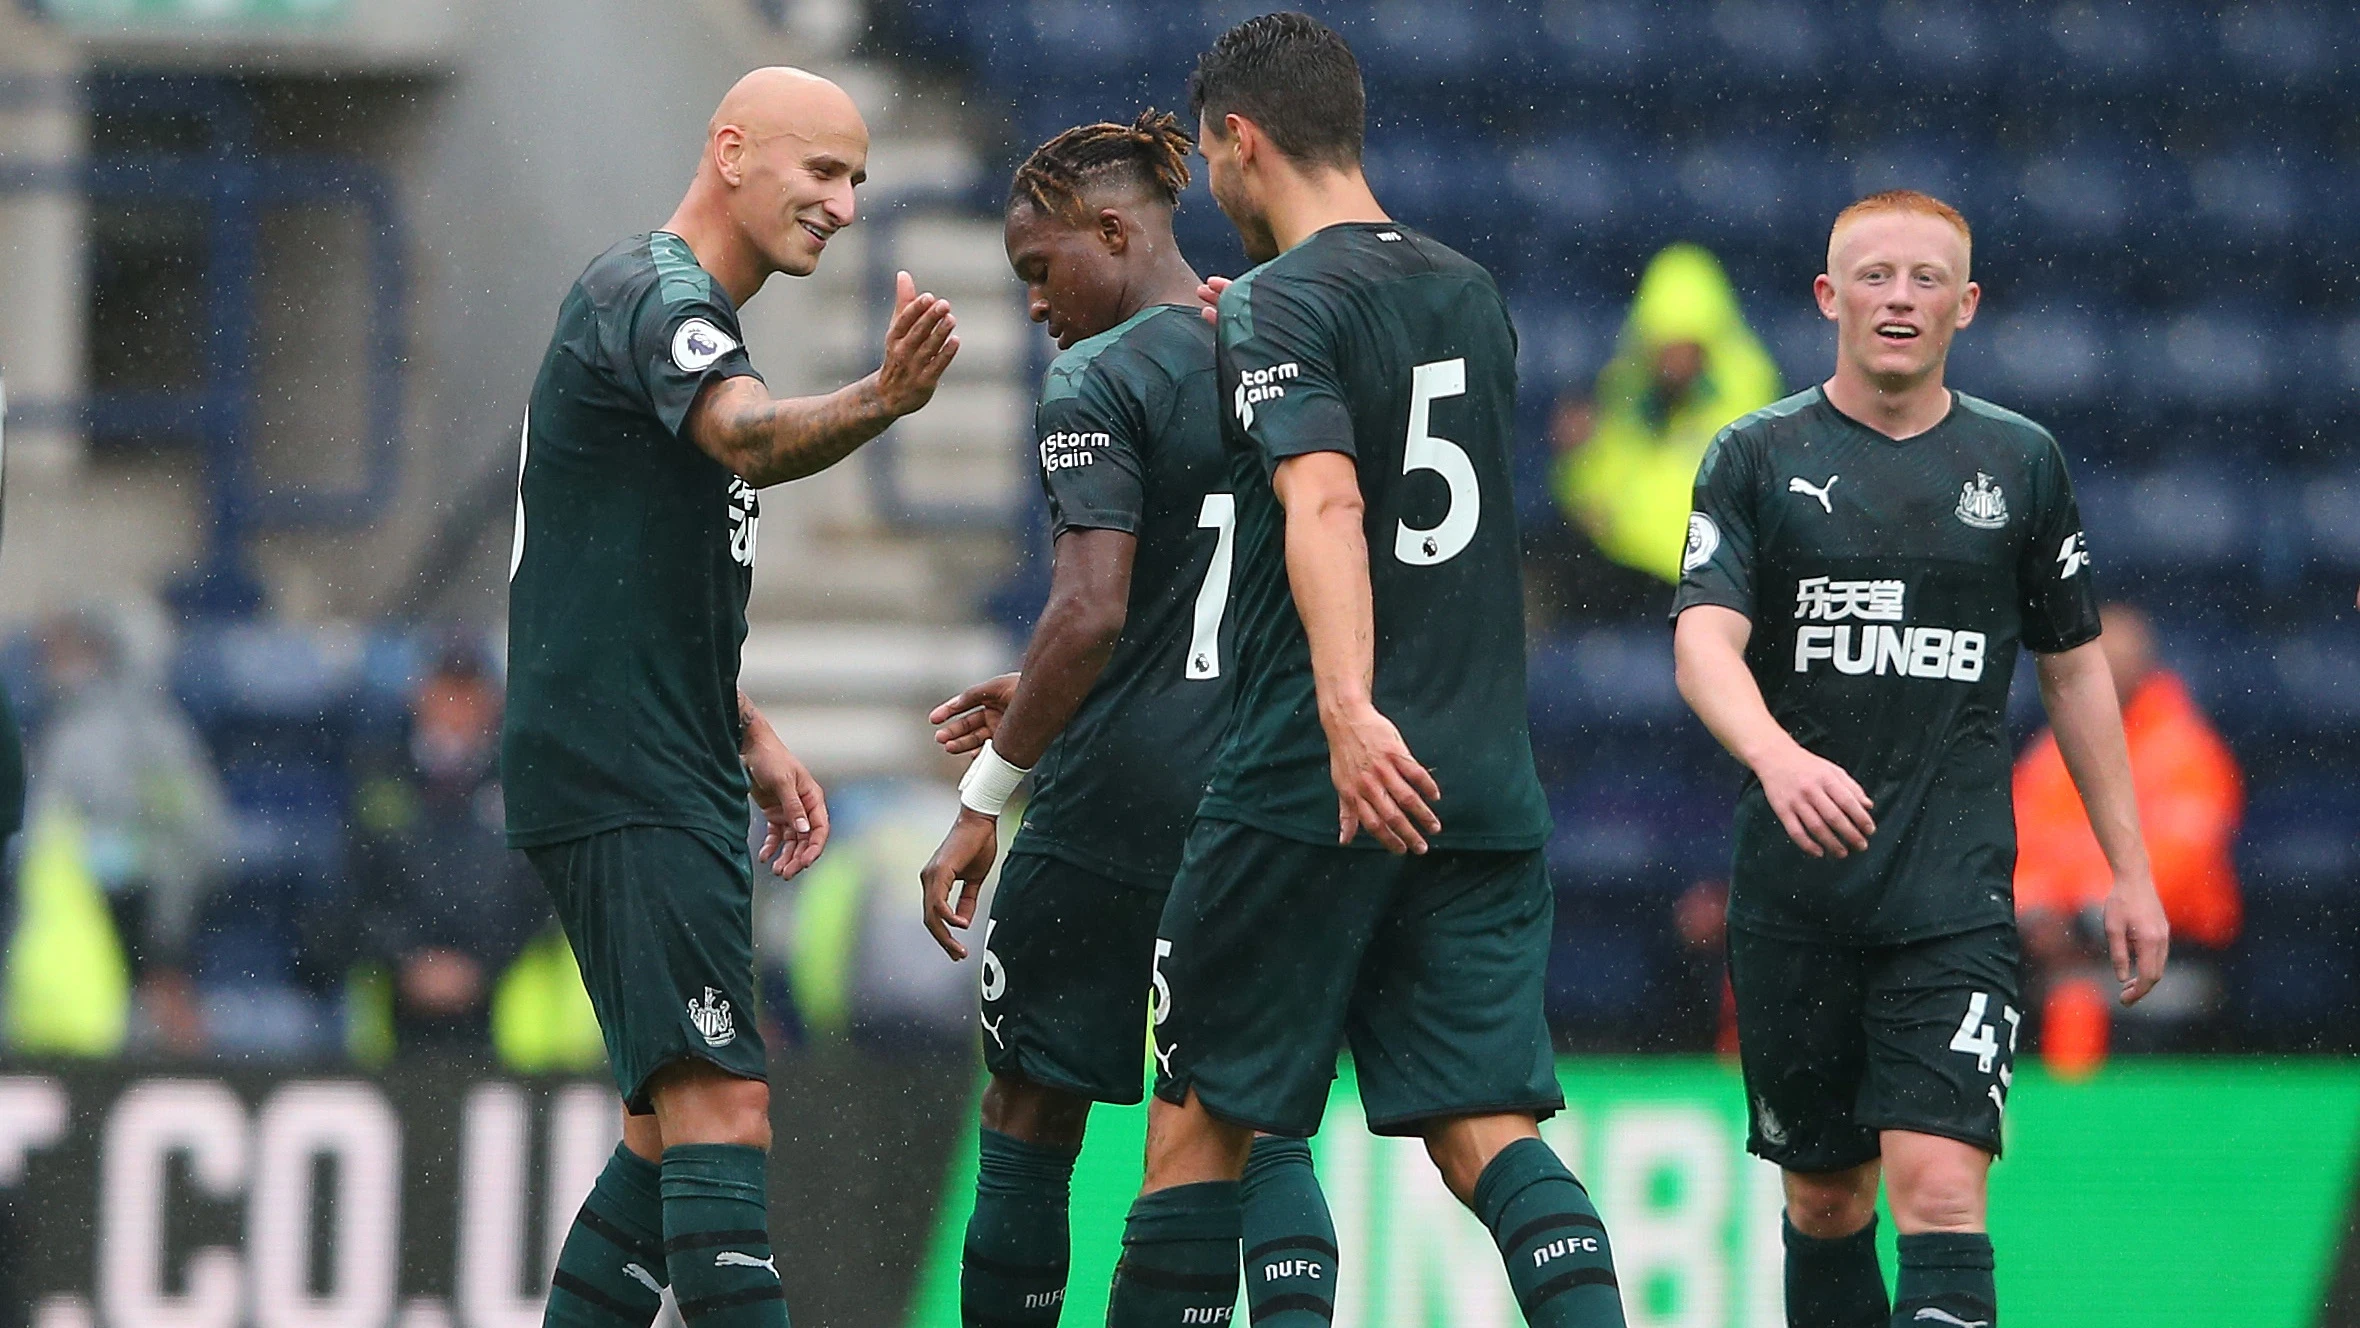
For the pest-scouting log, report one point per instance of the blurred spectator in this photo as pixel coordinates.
(444, 904)
(2191, 798)
(125, 794)
(1625, 459)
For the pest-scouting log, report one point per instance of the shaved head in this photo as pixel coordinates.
(783, 153)
(780, 99)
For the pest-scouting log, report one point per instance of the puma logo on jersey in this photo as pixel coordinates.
(643, 1277)
(1800, 485)
(734, 1259)
(1255, 386)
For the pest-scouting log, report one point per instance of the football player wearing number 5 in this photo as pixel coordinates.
(1863, 562)
(1365, 868)
(629, 751)
(1124, 691)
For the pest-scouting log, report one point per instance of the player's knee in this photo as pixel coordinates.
(1943, 1192)
(1034, 1113)
(702, 1104)
(1832, 1204)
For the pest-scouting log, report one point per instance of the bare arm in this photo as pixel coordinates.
(1822, 807)
(1089, 599)
(1380, 786)
(2078, 691)
(769, 440)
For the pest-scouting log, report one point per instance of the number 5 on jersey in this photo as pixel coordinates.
(1448, 538)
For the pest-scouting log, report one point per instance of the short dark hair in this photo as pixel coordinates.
(1151, 152)
(1294, 77)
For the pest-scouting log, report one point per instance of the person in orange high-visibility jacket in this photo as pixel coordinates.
(2191, 800)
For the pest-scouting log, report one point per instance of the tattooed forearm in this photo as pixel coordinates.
(768, 441)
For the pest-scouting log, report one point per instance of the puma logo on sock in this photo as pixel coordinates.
(1933, 1315)
(643, 1277)
(733, 1259)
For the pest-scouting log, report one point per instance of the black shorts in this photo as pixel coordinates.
(661, 920)
(1840, 1042)
(1066, 956)
(1274, 954)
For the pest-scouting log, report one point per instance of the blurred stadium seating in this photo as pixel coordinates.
(2157, 194)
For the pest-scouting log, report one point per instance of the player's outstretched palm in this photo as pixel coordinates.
(967, 721)
(1380, 787)
(2138, 937)
(792, 804)
(1824, 810)
(953, 877)
(920, 343)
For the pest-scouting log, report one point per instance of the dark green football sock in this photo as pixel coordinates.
(717, 1238)
(611, 1268)
(1290, 1242)
(1835, 1283)
(1012, 1271)
(1945, 1281)
(1179, 1264)
(1551, 1239)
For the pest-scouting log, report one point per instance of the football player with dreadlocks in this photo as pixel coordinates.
(1124, 693)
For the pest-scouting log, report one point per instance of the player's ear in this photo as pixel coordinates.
(1244, 137)
(1112, 232)
(1969, 300)
(1824, 287)
(729, 154)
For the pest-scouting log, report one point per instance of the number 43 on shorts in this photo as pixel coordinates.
(1981, 1040)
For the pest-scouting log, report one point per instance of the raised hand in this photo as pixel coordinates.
(1380, 787)
(920, 343)
(968, 720)
(953, 877)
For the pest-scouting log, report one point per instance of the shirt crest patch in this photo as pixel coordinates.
(1981, 504)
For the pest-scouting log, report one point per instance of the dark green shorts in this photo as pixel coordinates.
(1274, 954)
(1840, 1042)
(1065, 972)
(662, 923)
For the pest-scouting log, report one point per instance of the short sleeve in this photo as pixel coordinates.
(1089, 439)
(1279, 374)
(2058, 602)
(1717, 567)
(683, 338)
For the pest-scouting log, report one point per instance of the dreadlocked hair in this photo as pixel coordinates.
(1152, 149)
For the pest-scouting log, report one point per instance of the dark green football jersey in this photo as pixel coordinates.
(1130, 439)
(1378, 342)
(1890, 584)
(634, 554)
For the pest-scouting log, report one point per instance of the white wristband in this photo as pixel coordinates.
(989, 782)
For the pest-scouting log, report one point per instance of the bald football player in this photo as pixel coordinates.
(630, 750)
